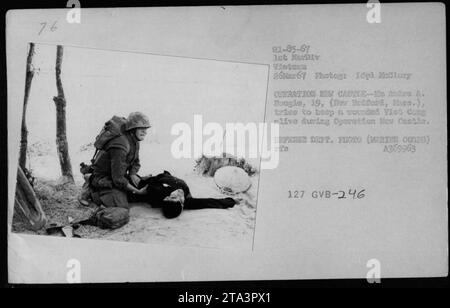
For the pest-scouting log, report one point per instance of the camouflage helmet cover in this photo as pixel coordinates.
(137, 120)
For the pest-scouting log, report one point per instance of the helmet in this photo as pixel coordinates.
(137, 120)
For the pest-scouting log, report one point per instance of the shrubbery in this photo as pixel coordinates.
(208, 165)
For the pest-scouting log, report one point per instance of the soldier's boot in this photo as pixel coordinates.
(85, 196)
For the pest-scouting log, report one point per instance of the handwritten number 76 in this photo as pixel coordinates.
(44, 26)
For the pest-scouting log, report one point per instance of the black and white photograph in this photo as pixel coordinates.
(107, 150)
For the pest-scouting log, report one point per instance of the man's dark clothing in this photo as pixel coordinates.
(163, 184)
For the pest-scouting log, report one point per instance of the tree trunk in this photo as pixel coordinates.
(24, 130)
(27, 202)
(61, 137)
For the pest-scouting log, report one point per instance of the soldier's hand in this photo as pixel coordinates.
(142, 191)
(135, 179)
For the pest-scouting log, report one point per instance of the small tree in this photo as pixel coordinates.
(61, 137)
(24, 131)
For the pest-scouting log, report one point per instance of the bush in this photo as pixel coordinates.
(208, 165)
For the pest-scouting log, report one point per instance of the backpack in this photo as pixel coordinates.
(112, 217)
(113, 128)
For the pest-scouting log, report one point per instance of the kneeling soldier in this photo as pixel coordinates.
(118, 163)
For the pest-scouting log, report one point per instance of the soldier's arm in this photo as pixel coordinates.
(119, 168)
(134, 169)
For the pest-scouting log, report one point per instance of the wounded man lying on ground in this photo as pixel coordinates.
(172, 195)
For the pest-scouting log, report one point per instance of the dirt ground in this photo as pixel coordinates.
(213, 228)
